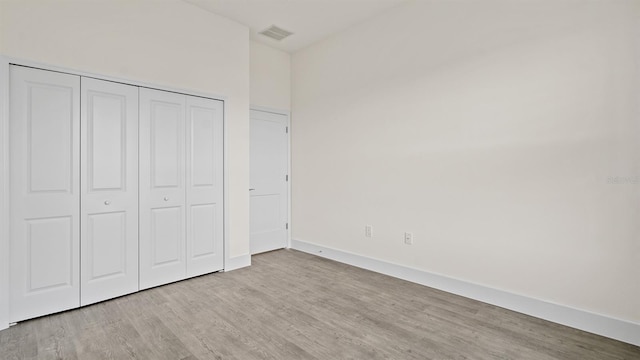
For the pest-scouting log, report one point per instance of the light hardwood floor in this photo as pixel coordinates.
(291, 305)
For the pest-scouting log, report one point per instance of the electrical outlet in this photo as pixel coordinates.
(408, 238)
(368, 231)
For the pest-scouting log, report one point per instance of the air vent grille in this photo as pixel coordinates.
(276, 33)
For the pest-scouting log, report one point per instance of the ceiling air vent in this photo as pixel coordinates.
(276, 33)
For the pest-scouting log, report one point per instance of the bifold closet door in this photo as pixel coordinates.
(204, 186)
(181, 182)
(45, 192)
(109, 184)
(162, 187)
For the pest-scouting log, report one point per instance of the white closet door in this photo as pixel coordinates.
(45, 192)
(162, 187)
(109, 183)
(204, 186)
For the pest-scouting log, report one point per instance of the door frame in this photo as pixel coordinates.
(4, 192)
(5, 63)
(287, 114)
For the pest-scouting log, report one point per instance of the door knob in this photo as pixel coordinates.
(166, 198)
(107, 202)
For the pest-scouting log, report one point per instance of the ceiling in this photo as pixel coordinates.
(309, 20)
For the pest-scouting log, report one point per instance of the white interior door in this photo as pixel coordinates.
(109, 183)
(269, 196)
(162, 187)
(204, 186)
(45, 192)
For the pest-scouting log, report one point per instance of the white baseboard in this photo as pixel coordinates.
(237, 262)
(621, 330)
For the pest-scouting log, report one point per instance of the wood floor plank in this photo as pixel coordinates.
(292, 305)
(54, 338)
(21, 345)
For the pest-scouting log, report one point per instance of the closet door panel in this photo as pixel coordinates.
(204, 186)
(162, 187)
(166, 229)
(45, 201)
(109, 157)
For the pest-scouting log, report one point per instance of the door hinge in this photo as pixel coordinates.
(287, 226)
(286, 178)
(287, 129)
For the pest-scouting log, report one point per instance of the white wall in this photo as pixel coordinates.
(166, 43)
(270, 77)
(495, 131)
